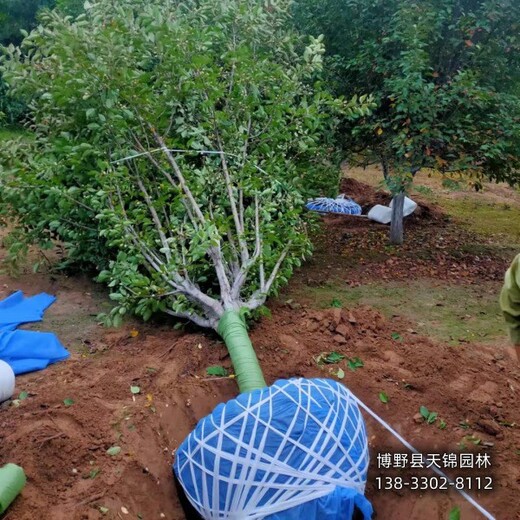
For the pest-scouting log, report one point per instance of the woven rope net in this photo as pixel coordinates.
(340, 204)
(273, 449)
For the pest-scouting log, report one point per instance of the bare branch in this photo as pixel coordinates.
(241, 276)
(276, 268)
(155, 218)
(180, 177)
(211, 306)
(246, 141)
(190, 215)
(215, 254)
(241, 207)
(233, 247)
(153, 260)
(259, 297)
(244, 253)
(195, 318)
(170, 180)
(259, 243)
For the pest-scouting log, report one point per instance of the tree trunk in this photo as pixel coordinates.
(384, 164)
(232, 329)
(396, 225)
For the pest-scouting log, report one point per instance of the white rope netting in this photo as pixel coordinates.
(274, 449)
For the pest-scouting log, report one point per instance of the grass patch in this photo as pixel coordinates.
(493, 213)
(499, 221)
(451, 313)
(11, 132)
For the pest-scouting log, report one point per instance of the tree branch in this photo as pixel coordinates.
(195, 318)
(180, 177)
(244, 253)
(155, 218)
(245, 268)
(276, 268)
(258, 297)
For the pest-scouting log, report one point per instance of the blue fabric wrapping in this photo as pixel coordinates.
(338, 505)
(339, 205)
(236, 462)
(23, 350)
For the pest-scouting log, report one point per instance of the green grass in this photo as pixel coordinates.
(449, 313)
(12, 132)
(499, 221)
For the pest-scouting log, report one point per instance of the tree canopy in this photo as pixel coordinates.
(444, 73)
(117, 98)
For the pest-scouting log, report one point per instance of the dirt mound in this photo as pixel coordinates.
(63, 446)
(358, 249)
(367, 197)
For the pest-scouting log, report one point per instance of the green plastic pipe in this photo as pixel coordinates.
(233, 331)
(12, 481)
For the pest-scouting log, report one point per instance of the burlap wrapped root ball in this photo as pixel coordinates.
(297, 449)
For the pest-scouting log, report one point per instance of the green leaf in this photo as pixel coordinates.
(333, 357)
(217, 371)
(114, 450)
(355, 363)
(383, 397)
(94, 473)
(23, 395)
(424, 412)
(68, 401)
(454, 513)
(432, 417)
(135, 390)
(336, 303)
(396, 336)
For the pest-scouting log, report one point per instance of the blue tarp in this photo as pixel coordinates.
(24, 350)
(295, 450)
(340, 204)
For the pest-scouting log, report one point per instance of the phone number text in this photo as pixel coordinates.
(433, 483)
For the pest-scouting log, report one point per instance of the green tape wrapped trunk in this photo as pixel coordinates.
(12, 481)
(233, 330)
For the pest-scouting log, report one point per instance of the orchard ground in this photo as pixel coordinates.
(423, 319)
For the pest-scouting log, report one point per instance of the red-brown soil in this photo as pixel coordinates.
(474, 388)
(434, 246)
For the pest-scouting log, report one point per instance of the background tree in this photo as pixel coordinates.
(445, 75)
(70, 7)
(16, 16)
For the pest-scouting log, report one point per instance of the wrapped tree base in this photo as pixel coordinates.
(297, 449)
